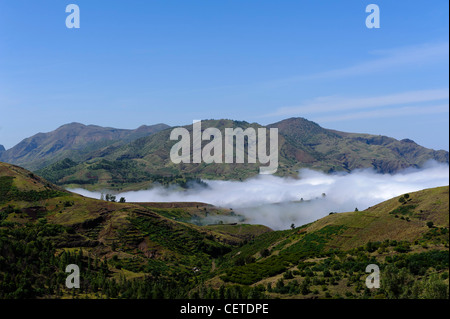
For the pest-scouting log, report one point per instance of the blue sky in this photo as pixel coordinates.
(173, 61)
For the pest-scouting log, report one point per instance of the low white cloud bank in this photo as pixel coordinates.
(276, 202)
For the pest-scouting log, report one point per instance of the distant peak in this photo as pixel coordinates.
(73, 124)
(151, 127)
(407, 140)
(143, 127)
(295, 121)
(2, 148)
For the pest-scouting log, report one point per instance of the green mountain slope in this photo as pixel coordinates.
(309, 144)
(155, 250)
(128, 240)
(407, 237)
(302, 144)
(73, 141)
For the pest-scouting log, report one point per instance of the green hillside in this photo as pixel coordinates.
(72, 141)
(302, 144)
(407, 237)
(164, 250)
(41, 224)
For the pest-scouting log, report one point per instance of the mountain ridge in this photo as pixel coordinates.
(97, 157)
(302, 144)
(71, 140)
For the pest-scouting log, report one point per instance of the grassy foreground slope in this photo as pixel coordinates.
(44, 228)
(160, 250)
(407, 237)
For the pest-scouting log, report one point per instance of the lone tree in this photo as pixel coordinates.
(110, 198)
(430, 224)
(264, 253)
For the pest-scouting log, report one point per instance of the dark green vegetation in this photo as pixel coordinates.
(74, 156)
(247, 271)
(8, 192)
(124, 250)
(31, 266)
(156, 250)
(328, 258)
(115, 174)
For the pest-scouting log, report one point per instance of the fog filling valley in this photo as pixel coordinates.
(278, 202)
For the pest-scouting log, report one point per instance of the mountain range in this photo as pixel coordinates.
(73, 141)
(95, 157)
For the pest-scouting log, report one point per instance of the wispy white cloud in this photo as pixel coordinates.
(386, 113)
(380, 61)
(393, 58)
(338, 103)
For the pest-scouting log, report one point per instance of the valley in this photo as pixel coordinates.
(157, 250)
